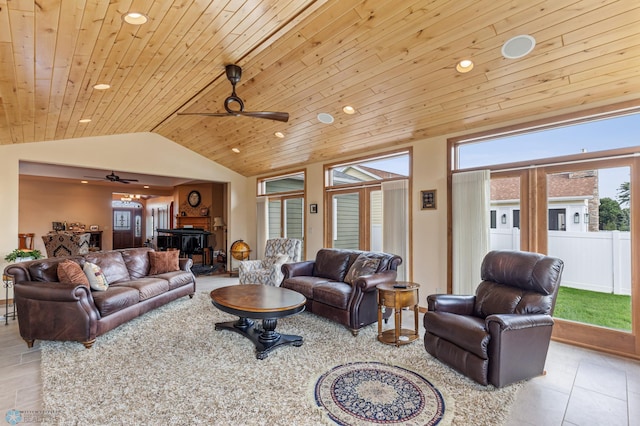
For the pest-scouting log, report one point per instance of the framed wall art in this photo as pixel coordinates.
(428, 199)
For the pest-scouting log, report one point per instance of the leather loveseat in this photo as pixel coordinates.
(138, 280)
(341, 284)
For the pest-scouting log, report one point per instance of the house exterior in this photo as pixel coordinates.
(573, 202)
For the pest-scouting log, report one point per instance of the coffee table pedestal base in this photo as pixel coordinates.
(265, 340)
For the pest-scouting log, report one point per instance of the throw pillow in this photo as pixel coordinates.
(363, 265)
(70, 272)
(281, 259)
(97, 280)
(164, 261)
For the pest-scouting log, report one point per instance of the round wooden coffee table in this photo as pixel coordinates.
(255, 301)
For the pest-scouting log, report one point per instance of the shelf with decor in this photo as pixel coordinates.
(201, 222)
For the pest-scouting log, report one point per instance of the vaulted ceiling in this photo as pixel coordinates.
(393, 61)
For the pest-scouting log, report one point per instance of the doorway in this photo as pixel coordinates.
(127, 227)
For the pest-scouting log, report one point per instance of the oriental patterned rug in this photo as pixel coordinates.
(366, 393)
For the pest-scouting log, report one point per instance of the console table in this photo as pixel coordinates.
(397, 296)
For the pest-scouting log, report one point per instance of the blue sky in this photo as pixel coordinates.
(593, 136)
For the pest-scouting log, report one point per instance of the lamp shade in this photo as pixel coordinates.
(218, 222)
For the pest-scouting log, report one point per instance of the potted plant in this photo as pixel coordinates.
(21, 255)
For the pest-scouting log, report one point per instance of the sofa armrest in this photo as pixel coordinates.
(56, 311)
(518, 346)
(517, 322)
(367, 283)
(52, 292)
(185, 264)
(296, 269)
(453, 303)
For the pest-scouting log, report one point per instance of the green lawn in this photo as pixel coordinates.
(603, 309)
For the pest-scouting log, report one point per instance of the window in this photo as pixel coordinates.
(494, 221)
(355, 200)
(285, 205)
(575, 186)
(516, 219)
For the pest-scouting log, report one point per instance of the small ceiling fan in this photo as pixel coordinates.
(234, 72)
(112, 177)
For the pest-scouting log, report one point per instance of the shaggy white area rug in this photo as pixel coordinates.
(171, 367)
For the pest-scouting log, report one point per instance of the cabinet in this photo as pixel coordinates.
(95, 241)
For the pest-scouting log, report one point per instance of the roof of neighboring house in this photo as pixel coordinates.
(574, 184)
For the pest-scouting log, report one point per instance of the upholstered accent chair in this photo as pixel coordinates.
(501, 334)
(62, 243)
(278, 251)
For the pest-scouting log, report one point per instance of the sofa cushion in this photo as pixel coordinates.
(46, 270)
(333, 293)
(137, 261)
(115, 299)
(470, 334)
(70, 272)
(331, 264)
(176, 278)
(112, 265)
(163, 261)
(97, 279)
(365, 264)
(147, 287)
(303, 284)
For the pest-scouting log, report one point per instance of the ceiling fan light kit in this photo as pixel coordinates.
(234, 73)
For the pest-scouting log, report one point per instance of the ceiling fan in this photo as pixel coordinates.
(234, 72)
(112, 177)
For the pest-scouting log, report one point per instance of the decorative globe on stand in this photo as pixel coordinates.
(239, 251)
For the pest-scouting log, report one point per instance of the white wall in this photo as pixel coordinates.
(145, 153)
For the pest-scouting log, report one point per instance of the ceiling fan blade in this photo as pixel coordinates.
(234, 72)
(127, 180)
(208, 114)
(269, 115)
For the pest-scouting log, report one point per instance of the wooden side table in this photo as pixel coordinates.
(397, 296)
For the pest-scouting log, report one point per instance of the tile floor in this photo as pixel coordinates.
(582, 387)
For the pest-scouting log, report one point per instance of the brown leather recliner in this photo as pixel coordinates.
(501, 335)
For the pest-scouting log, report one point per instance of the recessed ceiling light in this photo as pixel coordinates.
(518, 46)
(325, 118)
(102, 86)
(236, 150)
(84, 120)
(279, 135)
(146, 187)
(84, 181)
(349, 110)
(135, 18)
(464, 65)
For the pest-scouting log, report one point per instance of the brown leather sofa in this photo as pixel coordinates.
(322, 282)
(501, 334)
(52, 310)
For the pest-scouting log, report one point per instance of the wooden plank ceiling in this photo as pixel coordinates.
(393, 61)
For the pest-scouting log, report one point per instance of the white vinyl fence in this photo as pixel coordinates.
(596, 261)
